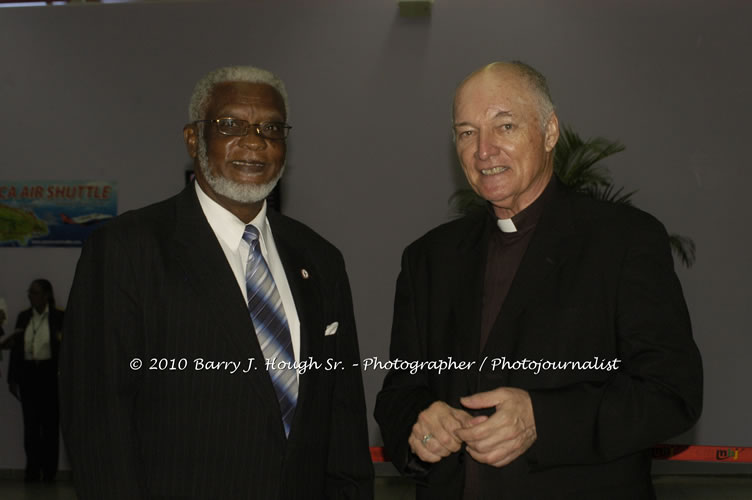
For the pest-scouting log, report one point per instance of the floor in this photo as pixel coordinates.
(394, 488)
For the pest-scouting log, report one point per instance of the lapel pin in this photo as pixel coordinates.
(304, 273)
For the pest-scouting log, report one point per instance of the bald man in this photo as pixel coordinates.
(565, 340)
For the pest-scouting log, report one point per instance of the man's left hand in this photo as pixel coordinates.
(505, 435)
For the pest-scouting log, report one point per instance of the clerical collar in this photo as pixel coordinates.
(528, 217)
(506, 225)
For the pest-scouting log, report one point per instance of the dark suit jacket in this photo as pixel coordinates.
(597, 280)
(55, 323)
(154, 284)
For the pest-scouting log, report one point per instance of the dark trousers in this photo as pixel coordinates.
(39, 402)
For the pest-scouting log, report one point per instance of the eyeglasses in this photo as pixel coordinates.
(275, 131)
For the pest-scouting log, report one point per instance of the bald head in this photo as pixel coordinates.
(533, 81)
(505, 131)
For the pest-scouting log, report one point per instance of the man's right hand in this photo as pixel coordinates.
(433, 436)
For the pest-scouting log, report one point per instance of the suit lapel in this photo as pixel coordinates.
(206, 270)
(470, 266)
(305, 292)
(553, 242)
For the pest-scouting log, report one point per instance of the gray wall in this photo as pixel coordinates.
(100, 92)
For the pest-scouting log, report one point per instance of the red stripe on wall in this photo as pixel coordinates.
(677, 452)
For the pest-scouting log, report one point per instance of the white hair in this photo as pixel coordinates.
(539, 86)
(203, 90)
(242, 193)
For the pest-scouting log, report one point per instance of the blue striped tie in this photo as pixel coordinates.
(270, 322)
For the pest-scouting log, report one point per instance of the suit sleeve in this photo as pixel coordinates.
(349, 467)
(657, 391)
(102, 336)
(404, 395)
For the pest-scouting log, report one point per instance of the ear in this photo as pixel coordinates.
(190, 134)
(552, 132)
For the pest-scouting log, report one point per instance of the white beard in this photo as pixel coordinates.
(242, 193)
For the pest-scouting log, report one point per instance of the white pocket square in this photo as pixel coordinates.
(331, 329)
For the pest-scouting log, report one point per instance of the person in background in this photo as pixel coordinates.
(32, 378)
(3, 342)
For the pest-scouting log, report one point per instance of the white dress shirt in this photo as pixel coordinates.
(229, 232)
(37, 336)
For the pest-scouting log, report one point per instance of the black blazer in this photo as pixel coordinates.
(597, 280)
(154, 285)
(55, 323)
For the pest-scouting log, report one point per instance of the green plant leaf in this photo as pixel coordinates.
(464, 201)
(609, 194)
(684, 248)
(576, 160)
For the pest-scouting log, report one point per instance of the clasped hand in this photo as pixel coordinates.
(495, 440)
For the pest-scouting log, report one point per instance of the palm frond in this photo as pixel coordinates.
(464, 201)
(684, 248)
(610, 194)
(576, 161)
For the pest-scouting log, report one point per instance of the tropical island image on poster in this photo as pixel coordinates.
(53, 213)
(19, 225)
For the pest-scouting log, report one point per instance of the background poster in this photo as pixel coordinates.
(53, 213)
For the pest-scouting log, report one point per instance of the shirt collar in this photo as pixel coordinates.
(225, 224)
(37, 314)
(529, 216)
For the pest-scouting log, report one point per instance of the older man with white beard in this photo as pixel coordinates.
(211, 277)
